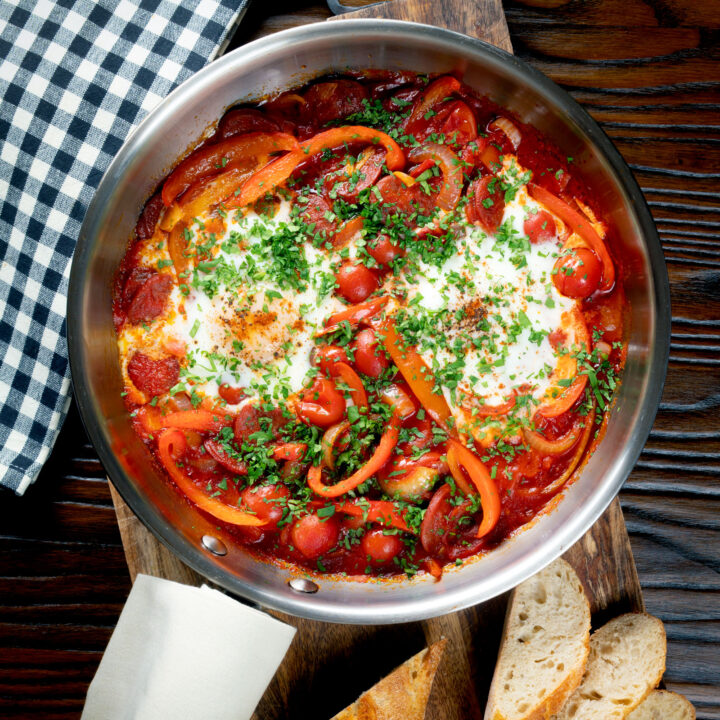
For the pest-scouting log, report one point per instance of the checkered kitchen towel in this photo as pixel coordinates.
(75, 77)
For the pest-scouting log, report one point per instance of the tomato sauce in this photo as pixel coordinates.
(370, 469)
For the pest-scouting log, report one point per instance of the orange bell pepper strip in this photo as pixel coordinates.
(352, 380)
(354, 315)
(381, 455)
(580, 225)
(417, 375)
(382, 512)
(290, 451)
(278, 171)
(213, 159)
(171, 446)
(203, 195)
(434, 93)
(459, 458)
(200, 420)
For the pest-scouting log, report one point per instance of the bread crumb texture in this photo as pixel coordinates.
(663, 705)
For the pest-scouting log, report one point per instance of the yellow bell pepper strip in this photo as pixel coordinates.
(381, 455)
(171, 446)
(580, 225)
(213, 159)
(382, 512)
(278, 171)
(459, 458)
(417, 375)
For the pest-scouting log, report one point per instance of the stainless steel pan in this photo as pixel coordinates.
(277, 63)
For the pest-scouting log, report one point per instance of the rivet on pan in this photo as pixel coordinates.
(213, 545)
(303, 585)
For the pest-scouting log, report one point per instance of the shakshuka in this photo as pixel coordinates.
(372, 326)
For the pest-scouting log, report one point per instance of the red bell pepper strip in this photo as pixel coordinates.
(277, 172)
(354, 315)
(382, 512)
(452, 170)
(352, 380)
(171, 446)
(200, 420)
(213, 159)
(580, 225)
(379, 458)
(322, 404)
(417, 375)
(459, 458)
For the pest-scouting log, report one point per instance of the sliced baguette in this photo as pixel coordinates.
(627, 660)
(663, 705)
(401, 695)
(544, 647)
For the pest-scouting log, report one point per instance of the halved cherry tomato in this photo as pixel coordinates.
(325, 356)
(313, 536)
(383, 251)
(370, 355)
(267, 503)
(322, 404)
(381, 548)
(487, 203)
(577, 273)
(355, 282)
(459, 126)
(231, 395)
(540, 227)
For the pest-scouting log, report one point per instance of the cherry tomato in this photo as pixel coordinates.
(540, 227)
(488, 203)
(355, 282)
(459, 125)
(322, 404)
(577, 274)
(383, 251)
(370, 357)
(230, 394)
(267, 503)
(325, 356)
(149, 301)
(153, 377)
(380, 547)
(313, 536)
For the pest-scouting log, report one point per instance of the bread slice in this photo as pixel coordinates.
(663, 705)
(544, 647)
(627, 660)
(401, 695)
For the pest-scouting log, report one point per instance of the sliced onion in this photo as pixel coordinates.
(579, 451)
(399, 401)
(509, 128)
(411, 486)
(451, 167)
(553, 447)
(328, 442)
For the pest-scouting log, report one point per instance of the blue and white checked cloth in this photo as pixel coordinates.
(75, 77)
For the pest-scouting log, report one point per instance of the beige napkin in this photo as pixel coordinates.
(181, 653)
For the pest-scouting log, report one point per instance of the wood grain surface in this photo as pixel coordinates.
(649, 72)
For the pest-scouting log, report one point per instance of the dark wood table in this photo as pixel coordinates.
(649, 72)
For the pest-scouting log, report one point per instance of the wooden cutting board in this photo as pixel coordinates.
(328, 666)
